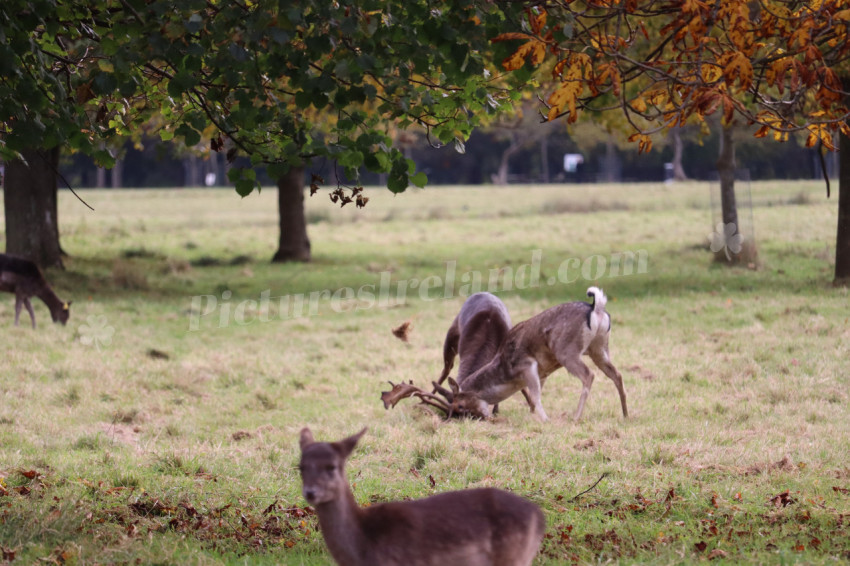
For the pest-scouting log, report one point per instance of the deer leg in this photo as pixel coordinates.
(602, 360)
(532, 391)
(19, 301)
(449, 352)
(575, 366)
(28, 305)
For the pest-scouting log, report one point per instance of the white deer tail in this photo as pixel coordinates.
(599, 299)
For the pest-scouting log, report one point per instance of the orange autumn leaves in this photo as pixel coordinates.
(775, 64)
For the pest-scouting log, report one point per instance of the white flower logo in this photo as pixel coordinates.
(96, 332)
(726, 238)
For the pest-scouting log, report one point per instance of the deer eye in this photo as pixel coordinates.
(330, 468)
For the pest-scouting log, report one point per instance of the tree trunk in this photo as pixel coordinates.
(294, 243)
(29, 198)
(842, 241)
(726, 170)
(678, 150)
(544, 158)
(117, 174)
(100, 178)
(191, 171)
(726, 167)
(611, 162)
(501, 176)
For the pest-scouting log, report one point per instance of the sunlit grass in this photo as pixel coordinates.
(155, 443)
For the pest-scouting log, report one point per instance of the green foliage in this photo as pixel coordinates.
(279, 83)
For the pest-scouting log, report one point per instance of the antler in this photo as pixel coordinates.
(397, 393)
(401, 391)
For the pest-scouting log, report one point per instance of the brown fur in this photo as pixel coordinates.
(475, 334)
(478, 527)
(535, 348)
(23, 278)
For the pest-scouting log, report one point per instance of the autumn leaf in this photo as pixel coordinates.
(644, 142)
(537, 21)
(783, 499)
(402, 332)
(566, 96)
(739, 67)
(534, 50)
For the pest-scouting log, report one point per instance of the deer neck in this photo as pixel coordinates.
(340, 523)
(50, 299)
(492, 383)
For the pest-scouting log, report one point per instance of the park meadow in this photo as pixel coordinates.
(160, 428)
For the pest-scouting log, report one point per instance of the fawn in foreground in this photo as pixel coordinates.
(23, 278)
(533, 349)
(477, 527)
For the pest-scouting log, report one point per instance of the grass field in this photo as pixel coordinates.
(126, 437)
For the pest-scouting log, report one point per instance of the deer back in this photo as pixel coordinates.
(17, 273)
(483, 324)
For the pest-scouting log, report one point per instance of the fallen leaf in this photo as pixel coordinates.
(717, 553)
(783, 499)
(155, 354)
(403, 332)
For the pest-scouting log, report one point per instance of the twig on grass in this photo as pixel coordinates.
(602, 477)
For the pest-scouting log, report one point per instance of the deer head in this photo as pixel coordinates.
(466, 403)
(62, 314)
(323, 467)
(453, 403)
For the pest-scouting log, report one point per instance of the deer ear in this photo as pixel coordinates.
(453, 384)
(306, 438)
(346, 446)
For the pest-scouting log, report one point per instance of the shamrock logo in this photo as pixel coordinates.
(726, 238)
(96, 332)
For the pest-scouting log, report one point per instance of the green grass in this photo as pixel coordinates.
(125, 437)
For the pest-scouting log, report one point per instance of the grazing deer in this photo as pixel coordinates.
(23, 278)
(477, 527)
(475, 334)
(533, 349)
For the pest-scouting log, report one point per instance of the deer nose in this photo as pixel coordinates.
(309, 494)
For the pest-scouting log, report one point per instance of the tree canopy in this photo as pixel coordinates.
(774, 63)
(281, 82)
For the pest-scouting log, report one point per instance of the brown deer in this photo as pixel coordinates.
(24, 278)
(475, 334)
(533, 349)
(476, 527)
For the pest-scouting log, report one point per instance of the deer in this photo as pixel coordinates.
(475, 334)
(24, 278)
(532, 350)
(475, 527)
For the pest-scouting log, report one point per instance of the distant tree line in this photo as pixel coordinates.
(160, 164)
